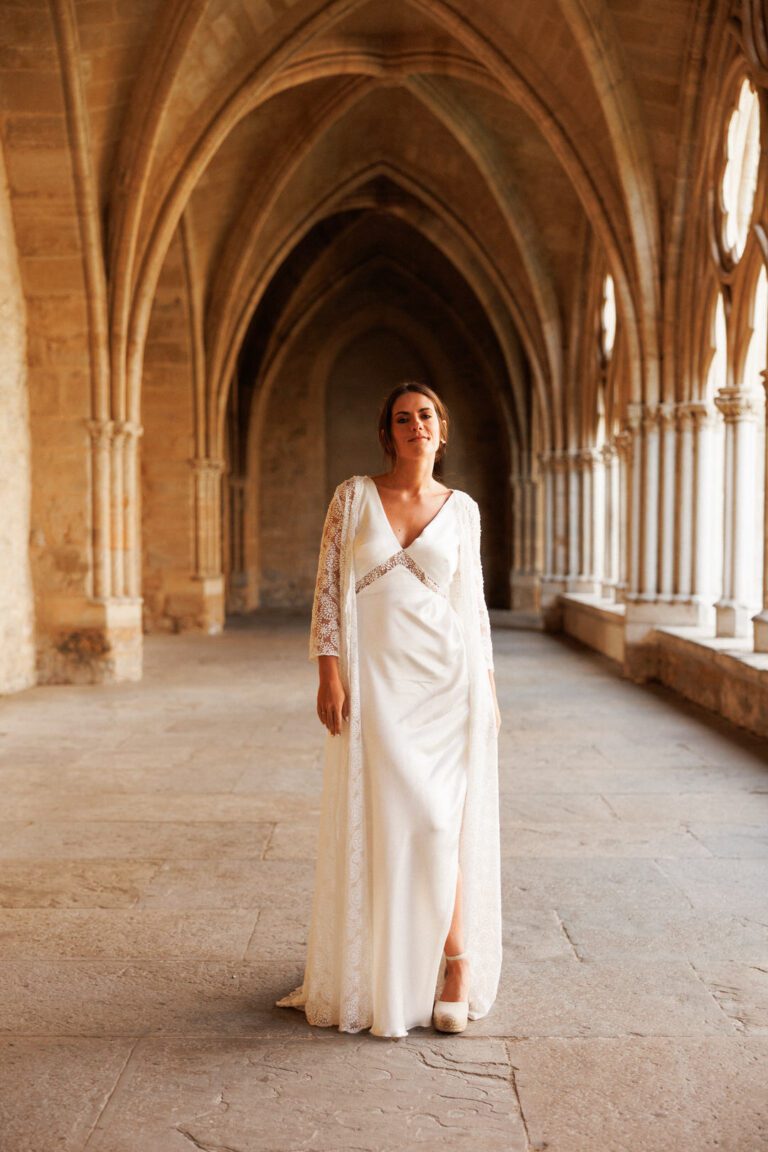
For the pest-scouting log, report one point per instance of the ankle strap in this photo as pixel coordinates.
(459, 956)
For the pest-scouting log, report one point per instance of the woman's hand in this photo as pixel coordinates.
(332, 703)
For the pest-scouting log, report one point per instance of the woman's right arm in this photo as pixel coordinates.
(325, 631)
(332, 703)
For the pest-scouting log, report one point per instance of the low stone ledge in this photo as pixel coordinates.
(597, 623)
(719, 673)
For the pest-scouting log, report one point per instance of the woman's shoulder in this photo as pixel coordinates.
(465, 499)
(347, 488)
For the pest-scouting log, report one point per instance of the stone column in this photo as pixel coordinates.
(703, 427)
(761, 620)
(131, 434)
(635, 493)
(236, 565)
(101, 432)
(553, 471)
(585, 465)
(209, 611)
(735, 607)
(586, 526)
(547, 480)
(623, 442)
(611, 517)
(524, 584)
(559, 464)
(648, 511)
(694, 433)
(684, 532)
(668, 503)
(573, 464)
(117, 518)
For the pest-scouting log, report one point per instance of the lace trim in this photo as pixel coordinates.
(326, 607)
(406, 561)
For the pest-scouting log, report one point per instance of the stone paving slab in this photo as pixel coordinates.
(613, 882)
(738, 841)
(115, 932)
(517, 807)
(74, 883)
(600, 838)
(692, 807)
(53, 1089)
(171, 808)
(627, 997)
(355, 1094)
(230, 883)
(644, 1094)
(738, 886)
(90, 839)
(523, 774)
(653, 933)
(741, 990)
(180, 996)
(127, 773)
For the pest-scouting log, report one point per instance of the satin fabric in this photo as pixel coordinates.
(414, 702)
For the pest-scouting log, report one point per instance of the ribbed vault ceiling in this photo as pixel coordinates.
(498, 140)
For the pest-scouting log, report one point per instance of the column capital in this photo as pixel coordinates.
(694, 412)
(126, 430)
(736, 405)
(101, 431)
(206, 464)
(634, 417)
(666, 414)
(609, 451)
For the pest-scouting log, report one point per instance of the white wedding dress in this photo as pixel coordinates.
(414, 703)
(410, 786)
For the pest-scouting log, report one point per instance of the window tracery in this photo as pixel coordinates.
(739, 179)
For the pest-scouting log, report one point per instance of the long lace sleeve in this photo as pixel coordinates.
(326, 608)
(482, 610)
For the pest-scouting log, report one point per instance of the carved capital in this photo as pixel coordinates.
(101, 432)
(666, 415)
(206, 465)
(736, 405)
(634, 418)
(694, 414)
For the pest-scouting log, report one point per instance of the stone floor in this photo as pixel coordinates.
(157, 845)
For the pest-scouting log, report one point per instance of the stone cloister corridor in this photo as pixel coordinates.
(227, 229)
(157, 855)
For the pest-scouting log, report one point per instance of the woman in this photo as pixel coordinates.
(407, 891)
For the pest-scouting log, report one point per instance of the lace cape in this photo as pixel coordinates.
(336, 987)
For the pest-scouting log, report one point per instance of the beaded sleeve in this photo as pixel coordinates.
(482, 610)
(326, 607)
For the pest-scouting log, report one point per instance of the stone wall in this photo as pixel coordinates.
(17, 661)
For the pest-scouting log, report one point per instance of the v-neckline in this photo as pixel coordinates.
(391, 529)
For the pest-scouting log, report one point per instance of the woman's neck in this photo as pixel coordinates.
(414, 476)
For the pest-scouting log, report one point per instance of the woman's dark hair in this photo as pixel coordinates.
(385, 416)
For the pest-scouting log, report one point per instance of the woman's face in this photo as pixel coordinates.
(415, 426)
